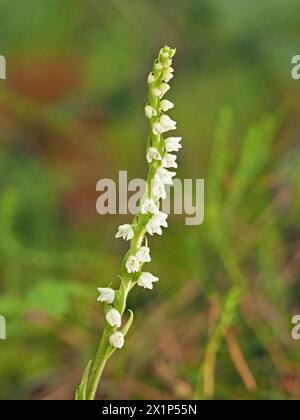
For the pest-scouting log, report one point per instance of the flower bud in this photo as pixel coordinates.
(117, 340)
(113, 317)
(151, 79)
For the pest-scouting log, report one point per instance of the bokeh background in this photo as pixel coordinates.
(218, 325)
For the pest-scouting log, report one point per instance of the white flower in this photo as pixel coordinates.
(106, 295)
(165, 124)
(143, 254)
(168, 74)
(173, 144)
(169, 161)
(149, 206)
(146, 280)
(153, 153)
(113, 317)
(132, 264)
(117, 340)
(167, 63)
(153, 227)
(126, 232)
(151, 78)
(157, 128)
(165, 105)
(150, 111)
(155, 223)
(164, 176)
(164, 88)
(161, 218)
(158, 66)
(156, 92)
(158, 189)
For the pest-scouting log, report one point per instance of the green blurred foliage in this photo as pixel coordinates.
(71, 112)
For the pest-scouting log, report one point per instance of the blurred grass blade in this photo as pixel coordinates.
(254, 158)
(205, 386)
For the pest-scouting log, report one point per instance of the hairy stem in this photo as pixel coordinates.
(98, 366)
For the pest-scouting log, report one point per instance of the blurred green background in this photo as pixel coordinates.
(71, 112)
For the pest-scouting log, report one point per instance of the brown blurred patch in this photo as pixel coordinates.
(45, 79)
(73, 145)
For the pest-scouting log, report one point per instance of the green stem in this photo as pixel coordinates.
(100, 361)
(105, 350)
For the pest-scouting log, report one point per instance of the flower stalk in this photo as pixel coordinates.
(150, 220)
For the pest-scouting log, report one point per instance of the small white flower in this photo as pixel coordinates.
(132, 264)
(146, 280)
(169, 161)
(167, 62)
(153, 153)
(126, 232)
(158, 66)
(173, 144)
(164, 176)
(117, 340)
(164, 88)
(106, 295)
(165, 105)
(113, 317)
(157, 128)
(156, 92)
(150, 111)
(149, 206)
(153, 228)
(151, 78)
(161, 218)
(143, 254)
(155, 223)
(168, 74)
(167, 122)
(158, 189)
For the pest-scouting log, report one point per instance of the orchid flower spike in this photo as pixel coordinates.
(149, 221)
